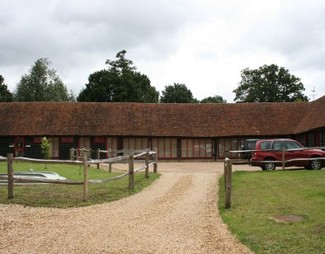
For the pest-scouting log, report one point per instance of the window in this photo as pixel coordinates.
(167, 147)
(228, 144)
(196, 148)
(279, 145)
(135, 143)
(112, 144)
(293, 145)
(265, 145)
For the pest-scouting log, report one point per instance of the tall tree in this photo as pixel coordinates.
(269, 83)
(177, 93)
(120, 82)
(42, 84)
(214, 99)
(5, 94)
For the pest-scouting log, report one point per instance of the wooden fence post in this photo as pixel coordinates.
(228, 182)
(98, 157)
(10, 158)
(147, 164)
(155, 165)
(85, 190)
(131, 172)
(71, 154)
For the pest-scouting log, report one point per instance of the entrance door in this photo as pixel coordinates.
(19, 146)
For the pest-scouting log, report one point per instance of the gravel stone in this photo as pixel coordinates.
(176, 214)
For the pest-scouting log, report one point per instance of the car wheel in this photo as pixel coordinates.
(315, 164)
(268, 165)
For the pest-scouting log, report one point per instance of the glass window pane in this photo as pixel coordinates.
(184, 143)
(174, 148)
(208, 147)
(202, 148)
(196, 148)
(221, 149)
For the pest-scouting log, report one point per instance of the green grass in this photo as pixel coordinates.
(257, 197)
(63, 196)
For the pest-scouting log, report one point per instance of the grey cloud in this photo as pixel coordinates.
(60, 27)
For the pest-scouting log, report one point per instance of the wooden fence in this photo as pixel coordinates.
(85, 162)
(118, 156)
(228, 169)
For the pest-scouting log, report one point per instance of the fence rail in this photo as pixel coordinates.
(11, 179)
(228, 173)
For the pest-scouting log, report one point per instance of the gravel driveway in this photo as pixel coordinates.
(177, 214)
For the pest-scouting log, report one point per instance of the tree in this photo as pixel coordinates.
(42, 84)
(120, 82)
(269, 83)
(5, 94)
(177, 93)
(214, 99)
(46, 148)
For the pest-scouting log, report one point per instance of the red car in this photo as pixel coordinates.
(269, 154)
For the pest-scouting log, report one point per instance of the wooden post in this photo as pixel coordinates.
(98, 157)
(131, 173)
(225, 173)
(71, 154)
(10, 159)
(147, 164)
(110, 167)
(85, 190)
(283, 159)
(155, 165)
(228, 183)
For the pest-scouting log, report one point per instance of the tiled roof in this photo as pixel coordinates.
(314, 117)
(139, 119)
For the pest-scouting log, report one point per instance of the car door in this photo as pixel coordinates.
(278, 147)
(295, 151)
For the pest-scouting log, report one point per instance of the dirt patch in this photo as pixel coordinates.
(288, 218)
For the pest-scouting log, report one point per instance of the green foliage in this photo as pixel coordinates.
(269, 83)
(46, 148)
(119, 83)
(42, 84)
(259, 197)
(64, 196)
(5, 94)
(214, 99)
(177, 93)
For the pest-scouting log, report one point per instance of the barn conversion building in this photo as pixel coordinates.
(178, 131)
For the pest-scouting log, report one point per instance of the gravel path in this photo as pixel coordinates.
(177, 214)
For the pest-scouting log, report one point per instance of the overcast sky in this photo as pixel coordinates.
(203, 44)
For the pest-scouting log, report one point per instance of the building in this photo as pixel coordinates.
(178, 131)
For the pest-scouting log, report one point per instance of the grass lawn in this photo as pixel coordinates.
(63, 196)
(259, 197)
